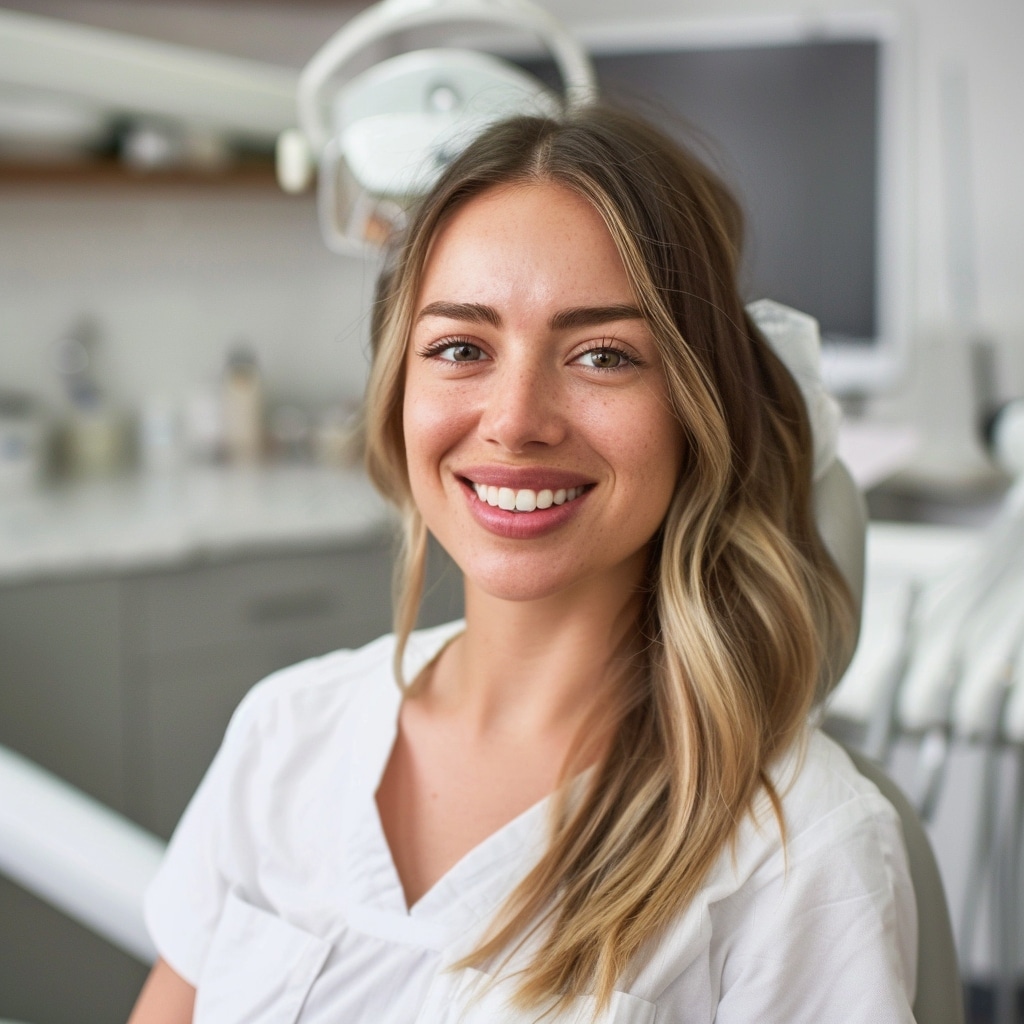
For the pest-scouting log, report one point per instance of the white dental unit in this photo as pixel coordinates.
(940, 668)
(942, 650)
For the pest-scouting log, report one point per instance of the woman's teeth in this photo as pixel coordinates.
(525, 500)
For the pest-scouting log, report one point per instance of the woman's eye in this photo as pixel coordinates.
(460, 352)
(604, 359)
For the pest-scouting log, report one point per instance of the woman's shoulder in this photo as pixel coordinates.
(826, 806)
(324, 688)
(824, 796)
(318, 686)
(291, 727)
(792, 923)
(827, 912)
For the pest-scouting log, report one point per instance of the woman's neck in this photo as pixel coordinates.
(535, 666)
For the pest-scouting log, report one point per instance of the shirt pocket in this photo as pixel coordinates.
(473, 997)
(259, 968)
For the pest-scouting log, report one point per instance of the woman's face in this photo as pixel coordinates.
(542, 451)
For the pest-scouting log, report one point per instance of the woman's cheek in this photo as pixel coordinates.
(434, 423)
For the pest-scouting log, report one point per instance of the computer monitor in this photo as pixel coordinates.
(806, 120)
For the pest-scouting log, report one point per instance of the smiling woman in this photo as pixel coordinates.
(599, 798)
(531, 373)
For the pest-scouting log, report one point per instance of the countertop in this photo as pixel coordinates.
(198, 514)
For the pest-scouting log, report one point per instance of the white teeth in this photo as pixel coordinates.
(524, 499)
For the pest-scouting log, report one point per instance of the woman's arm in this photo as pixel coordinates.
(166, 998)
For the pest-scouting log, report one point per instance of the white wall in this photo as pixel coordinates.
(174, 278)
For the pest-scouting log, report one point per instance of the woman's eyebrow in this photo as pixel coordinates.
(471, 312)
(565, 319)
(593, 316)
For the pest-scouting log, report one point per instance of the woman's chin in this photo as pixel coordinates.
(513, 581)
(544, 585)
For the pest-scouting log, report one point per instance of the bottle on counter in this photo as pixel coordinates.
(202, 423)
(159, 440)
(340, 438)
(22, 442)
(94, 433)
(243, 407)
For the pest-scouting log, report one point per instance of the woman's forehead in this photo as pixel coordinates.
(537, 242)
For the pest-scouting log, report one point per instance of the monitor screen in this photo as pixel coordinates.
(801, 121)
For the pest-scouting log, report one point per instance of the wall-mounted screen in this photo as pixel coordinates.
(803, 118)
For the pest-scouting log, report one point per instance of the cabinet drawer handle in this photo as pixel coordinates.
(301, 604)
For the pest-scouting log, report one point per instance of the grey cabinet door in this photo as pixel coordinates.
(342, 596)
(60, 681)
(61, 705)
(203, 636)
(55, 971)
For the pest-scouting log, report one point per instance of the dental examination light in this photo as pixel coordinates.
(381, 137)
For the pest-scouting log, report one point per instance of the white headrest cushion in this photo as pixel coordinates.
(796, 340)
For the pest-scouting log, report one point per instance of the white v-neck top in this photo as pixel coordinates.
(278, 898)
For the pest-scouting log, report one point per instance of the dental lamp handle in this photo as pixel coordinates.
(392, 16)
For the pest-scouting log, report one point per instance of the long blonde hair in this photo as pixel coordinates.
(743, 607)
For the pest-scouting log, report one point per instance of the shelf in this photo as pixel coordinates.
(106, 173)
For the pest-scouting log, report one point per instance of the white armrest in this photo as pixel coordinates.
(76, 854)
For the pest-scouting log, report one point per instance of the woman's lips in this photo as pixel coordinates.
(511, 509)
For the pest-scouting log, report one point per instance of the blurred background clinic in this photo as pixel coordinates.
(183, 350)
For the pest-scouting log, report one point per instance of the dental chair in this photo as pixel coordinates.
(94, 865)
(939, 997)
(842, 520)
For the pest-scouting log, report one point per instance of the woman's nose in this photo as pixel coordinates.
(524, 406)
